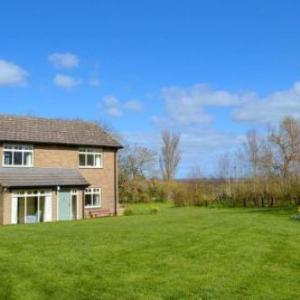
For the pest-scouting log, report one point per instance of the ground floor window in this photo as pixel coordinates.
(92, 198)
(31, 206)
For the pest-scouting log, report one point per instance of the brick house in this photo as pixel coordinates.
(54, 169)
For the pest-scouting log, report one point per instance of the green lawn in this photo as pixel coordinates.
(181, 253)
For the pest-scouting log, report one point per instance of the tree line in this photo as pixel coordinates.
(264, 171)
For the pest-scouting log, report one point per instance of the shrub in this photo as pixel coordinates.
(154, 210)
(128, 211)
(143, 191)
(157, 190)
(180, 195)
(296, 217)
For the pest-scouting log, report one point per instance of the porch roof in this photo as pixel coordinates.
(41, 177)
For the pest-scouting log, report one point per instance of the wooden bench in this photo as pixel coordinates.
(99, 213)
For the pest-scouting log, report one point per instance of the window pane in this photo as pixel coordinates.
(90, 160)
(21, 209)
(32, 210)
(96, 200)
(74, 206)
(42, 209)
(88, 200)
(28, 159)
(81, 159)
(18, 158)
(97, 160)
(7, 158)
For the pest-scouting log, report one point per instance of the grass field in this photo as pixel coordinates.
(181, 253)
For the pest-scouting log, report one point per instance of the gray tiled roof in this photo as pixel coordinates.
(54, 131)
(40, 177)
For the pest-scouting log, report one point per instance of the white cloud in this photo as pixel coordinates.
(65, 81)
(115, 108)
(271, 108)
(12, 74)
(187, 105)
(95, 82)
(64, 60)
(134, 106)
(112, 106)
(204, 146)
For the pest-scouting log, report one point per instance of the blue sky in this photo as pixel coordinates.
(209, 69)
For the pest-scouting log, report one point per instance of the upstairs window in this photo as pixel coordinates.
(17, 156)
(92, 197)
(90, 158)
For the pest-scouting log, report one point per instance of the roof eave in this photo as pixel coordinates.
(63, 144)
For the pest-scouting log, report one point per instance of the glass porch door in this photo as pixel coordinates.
(31, 207)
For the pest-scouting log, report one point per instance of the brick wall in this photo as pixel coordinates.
(6, 207)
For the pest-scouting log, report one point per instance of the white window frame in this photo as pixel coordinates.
(37, 193)
(93, 191)
(94, 152)
(13, 148)
(74, 192)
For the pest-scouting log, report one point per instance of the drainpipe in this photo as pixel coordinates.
(115, 184)
(82, 201)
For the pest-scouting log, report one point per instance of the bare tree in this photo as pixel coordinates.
(224, 167)
(170, 154)
(136, 162)
(287, 140)
(195, 172)
(113, 132)
(267, 162)
(252, 151)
